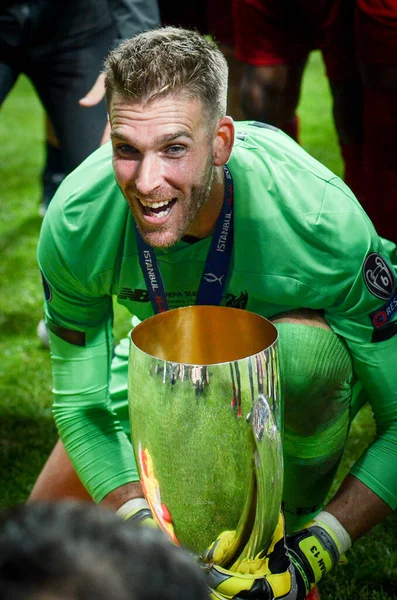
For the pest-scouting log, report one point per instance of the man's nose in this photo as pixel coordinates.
(149, 175)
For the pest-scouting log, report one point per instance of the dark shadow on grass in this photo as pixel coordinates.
(25, 444)
(20, 434)
(28, 228)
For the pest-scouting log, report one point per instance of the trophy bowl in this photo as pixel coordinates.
(206, 414)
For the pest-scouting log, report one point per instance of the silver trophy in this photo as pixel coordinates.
(206, 414)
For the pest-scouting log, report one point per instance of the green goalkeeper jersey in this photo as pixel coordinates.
(301, 240)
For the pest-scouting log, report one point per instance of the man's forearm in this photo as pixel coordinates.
(357, 507)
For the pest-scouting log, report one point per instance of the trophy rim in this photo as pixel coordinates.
(150, 320)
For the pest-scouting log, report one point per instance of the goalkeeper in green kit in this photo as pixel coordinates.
(295, 246)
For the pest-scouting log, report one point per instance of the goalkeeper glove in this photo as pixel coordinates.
(316, 549)
(289, 569)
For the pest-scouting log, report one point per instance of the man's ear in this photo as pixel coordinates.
(223, 141)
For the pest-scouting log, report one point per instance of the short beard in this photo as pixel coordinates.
(200, 193)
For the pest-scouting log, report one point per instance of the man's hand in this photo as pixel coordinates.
(93, 97)
(96, 93)
(288, 570)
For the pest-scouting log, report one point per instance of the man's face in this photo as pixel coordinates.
(163, 163)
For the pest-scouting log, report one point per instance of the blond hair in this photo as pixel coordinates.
(169, 61)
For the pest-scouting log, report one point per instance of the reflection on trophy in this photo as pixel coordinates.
(205, 412)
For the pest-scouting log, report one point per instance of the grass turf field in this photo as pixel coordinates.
(27, 432)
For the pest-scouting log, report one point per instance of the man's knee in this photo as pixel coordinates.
(316, 382)
(316, 372)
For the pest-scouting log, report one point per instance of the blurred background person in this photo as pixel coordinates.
(376, 49)
(358, 41)
(61, 47)
(274, 40)
(77, 551)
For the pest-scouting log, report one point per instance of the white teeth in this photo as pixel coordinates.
(155, 204)
(163, 213)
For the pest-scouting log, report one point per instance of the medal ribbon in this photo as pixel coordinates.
(213, 278)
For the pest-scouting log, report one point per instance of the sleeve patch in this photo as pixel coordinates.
(378, 276)
(385, 313)
(77, 338)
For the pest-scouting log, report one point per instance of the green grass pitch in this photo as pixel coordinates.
(27, 431)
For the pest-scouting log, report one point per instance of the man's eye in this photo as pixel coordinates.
(126, 150)
(175, 150)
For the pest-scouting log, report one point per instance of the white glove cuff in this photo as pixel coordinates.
(131, 506)
(337, 528)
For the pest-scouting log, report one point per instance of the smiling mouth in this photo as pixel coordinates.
(157, 209)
